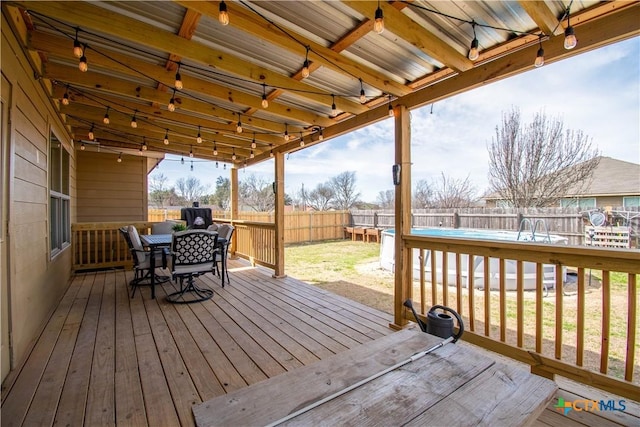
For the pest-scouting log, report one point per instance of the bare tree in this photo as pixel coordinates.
(190, 189)
(422, 195)
(344, 189)
(536, 164)
(453, 193)
(257, 194)
(386, 199)
(320, 198)
(159, 194)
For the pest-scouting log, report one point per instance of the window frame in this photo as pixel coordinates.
(59, 196)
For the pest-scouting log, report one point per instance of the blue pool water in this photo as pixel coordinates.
(477, 234)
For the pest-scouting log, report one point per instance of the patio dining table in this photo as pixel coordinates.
(453, 385)
(156, 241)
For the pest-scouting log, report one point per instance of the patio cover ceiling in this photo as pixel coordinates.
(135, 49)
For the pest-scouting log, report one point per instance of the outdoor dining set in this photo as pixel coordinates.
(201, 248)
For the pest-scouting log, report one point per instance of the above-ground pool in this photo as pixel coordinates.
(387, 257)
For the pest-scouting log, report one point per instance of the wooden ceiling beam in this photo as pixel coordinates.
(544, 18)
(405, 28)
(89, 16)
(113, 61)
(251, 23)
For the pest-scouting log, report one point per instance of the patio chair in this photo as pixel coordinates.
(142, 259)
(193, 254)
(225, 231)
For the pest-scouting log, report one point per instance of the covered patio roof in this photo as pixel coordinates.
(135, 50)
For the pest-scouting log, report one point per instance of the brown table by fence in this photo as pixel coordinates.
(453, 385)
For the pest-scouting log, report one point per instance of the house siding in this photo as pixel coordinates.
(36, 280)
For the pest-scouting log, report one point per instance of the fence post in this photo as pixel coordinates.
(375, 220)
(456, 220)
(311, 226)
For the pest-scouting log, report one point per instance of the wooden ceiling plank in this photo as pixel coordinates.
(544, 17)
(102, 20)
(405, 28)
(250, 23)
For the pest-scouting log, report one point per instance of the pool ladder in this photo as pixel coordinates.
(533, 226)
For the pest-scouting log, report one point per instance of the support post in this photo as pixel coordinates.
(403, 264)
(234, 207)
(279, 216)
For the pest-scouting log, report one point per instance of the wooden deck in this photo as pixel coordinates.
(106, 359)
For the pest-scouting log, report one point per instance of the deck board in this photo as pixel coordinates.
(136, 361)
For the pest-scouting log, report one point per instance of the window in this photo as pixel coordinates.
(631, 202)
(59, 200)
(586, 203)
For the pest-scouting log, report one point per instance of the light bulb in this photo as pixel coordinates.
(82, 65)
(199, 139)
(321, 136)
(166, 138)
(363, 96)
(265, 102)
(134, 123)
(473, 52)
(570, 40)
(253, 143)
(305, 69)
(191, 153)
(120, 158)
(334, 109)
(172, 106)
(233, 156)
(178, 82)
(539, 58)
(391, 114)
(144, 147)
(271, 153)
(77, 49)
(82, 146)
(105, 119)
(65, 99)
(182, 160)
(239, 127)
(251, 155)
(91, 135)
(215, 150)
(378, 25)
(286, 135)
(301, 142)
(223, 15)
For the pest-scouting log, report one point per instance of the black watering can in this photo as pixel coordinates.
(438, 324)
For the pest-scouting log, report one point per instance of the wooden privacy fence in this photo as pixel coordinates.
(585, 330)
(566, 222)
(308, 226)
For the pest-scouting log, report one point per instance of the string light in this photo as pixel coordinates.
(140, 151)
(199, 137)
(334, 109)
(239, 126)
(91, 135)
(178, 82)
(251, 155)
(134, 123)
(172, 102)
(320, 136)
(144, 144)
(82, 146)
(217, 165)
(120, 158)
(301, 140)
(105, 119)
(77, 47)
(265, 102)
(363, 96)
(182, 160)
(65, 97)
(215, 149)
(286, 132)
(473, 52)
(166, 138)
(82, 65)
(253, 141)
(570, 40)
(305, 66)
(191, 165)
(378, 24)
(539, 62)
(191, 152)
(223, 14)
(391, 114)
(271, 150)
(233, 155)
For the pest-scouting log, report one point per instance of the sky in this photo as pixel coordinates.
(597, 92)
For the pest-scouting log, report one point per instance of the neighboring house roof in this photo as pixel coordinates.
(611, 177)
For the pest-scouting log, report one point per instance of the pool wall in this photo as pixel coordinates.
(387, 258)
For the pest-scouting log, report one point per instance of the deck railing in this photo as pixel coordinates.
(100, 245)
(586, 331)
